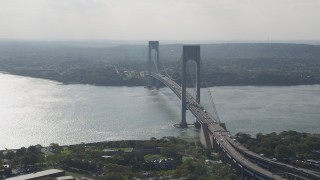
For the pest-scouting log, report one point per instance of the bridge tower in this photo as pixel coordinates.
(190, 52)
(153, 45)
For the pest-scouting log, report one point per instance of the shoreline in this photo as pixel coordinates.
(97, 143)
(121, 84)
(317, 135)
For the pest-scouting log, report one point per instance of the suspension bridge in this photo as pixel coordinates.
(214, 134)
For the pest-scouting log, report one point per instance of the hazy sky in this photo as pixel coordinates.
(161, 19)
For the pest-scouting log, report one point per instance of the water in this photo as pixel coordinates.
(267, 109)
(35, 111)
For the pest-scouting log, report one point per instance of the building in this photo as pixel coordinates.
(65, 178)
(40, 174)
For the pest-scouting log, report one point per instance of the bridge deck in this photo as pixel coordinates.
(203, 118)
(222, 136)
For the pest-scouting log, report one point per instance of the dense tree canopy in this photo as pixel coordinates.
(222, 64)
(287, 146)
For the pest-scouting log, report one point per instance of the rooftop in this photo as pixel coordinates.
(37, 174)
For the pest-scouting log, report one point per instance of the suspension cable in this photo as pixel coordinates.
(215, 112)
(193, 83)
(155, 64)
(165, 71)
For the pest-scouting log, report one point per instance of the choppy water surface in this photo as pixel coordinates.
(35, 111)
(264, 109)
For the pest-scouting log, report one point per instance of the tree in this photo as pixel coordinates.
(33, 150)
(284, 152)
(222, 171)
(10, 155)
(55, 148)
(1, 164)
(113, 176)
(259, 136)
(30, 159)
(169, 152)
(22, 151)
(242, 137)
(184, 169)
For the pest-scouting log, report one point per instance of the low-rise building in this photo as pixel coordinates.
(65, 178)
(159, 164)
(40, 174)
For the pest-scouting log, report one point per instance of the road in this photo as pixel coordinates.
(220, 134)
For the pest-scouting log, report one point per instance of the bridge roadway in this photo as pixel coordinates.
(302, 172)
(213, 126)
(227, 143)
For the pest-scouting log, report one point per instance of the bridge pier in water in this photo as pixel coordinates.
(153, 45)
(214, 135)
(190, 52)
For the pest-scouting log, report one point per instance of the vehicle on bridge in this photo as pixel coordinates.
(214, 134)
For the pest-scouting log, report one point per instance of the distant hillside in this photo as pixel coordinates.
(222, 64)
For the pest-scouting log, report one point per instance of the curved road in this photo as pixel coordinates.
(223, 137)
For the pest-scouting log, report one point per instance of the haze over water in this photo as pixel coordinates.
(35, 111)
